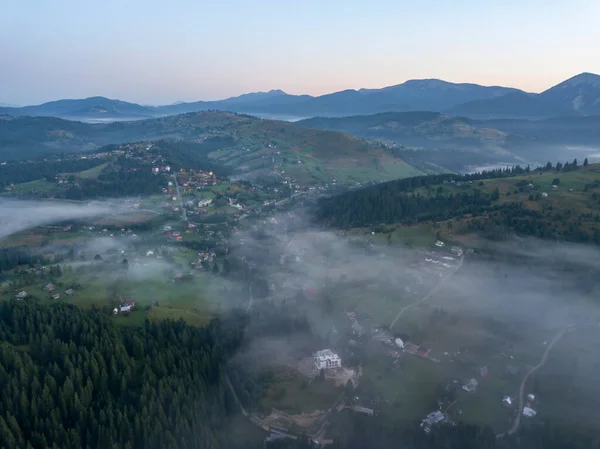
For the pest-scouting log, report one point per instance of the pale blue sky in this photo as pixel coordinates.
(156, 52)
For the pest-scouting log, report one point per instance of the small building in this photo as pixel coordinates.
(507, 401)
(49, 287)
(366, 411)
(457, 250)
(544, 195)
(554, 187)
(125, 309)
(326, 359)
(531, 397)
(432, 419)
(399, 343)
(274, 437)
(439, 243)
(55, 296)
(21, 295)
(69, 292)
(529, 412)
(471, 386)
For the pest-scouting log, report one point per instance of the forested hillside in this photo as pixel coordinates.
(559, 201)
(70, 379)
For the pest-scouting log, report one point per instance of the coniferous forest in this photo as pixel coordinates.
(71, 379)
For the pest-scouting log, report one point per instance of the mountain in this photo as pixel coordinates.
(413, 95)
(93, 107)
(579, 95)
(249, 145)
(430, 94)
(251, 102)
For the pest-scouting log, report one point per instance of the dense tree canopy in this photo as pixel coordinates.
(70, 379)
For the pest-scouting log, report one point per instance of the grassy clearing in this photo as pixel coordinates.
(93, 172)
(294, 393)
(40, 185)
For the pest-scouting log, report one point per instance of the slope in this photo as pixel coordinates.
(551, 202)
(247, 144)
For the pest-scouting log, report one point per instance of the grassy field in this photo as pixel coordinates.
(92, 173)
(39, 186)
(294, 393)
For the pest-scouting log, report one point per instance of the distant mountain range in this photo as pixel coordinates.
(577, 96)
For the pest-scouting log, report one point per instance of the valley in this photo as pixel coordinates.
(314, 269)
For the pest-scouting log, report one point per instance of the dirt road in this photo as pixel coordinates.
(529, 373)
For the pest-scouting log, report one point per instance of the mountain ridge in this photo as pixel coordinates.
(578, 95)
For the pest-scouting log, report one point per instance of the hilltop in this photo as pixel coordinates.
(558, 202)
(460, 143)
(247, 144)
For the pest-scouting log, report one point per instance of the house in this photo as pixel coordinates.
(274, 437)
(529, 412)
(457, 250)
(471, 386)
(55, 296)
(69, 292)
(125, 309)
(507, 401)
(432, 419)
(49, 287)
(366, 411)
(326, 359)
(21, 295)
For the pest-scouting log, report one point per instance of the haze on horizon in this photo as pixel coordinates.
(156, 52)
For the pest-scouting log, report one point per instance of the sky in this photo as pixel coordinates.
(159, 52)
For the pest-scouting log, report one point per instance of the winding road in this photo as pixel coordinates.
(529, 373)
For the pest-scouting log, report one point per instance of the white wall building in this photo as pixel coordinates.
(326, 359)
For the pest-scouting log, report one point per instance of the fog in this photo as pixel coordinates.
(19, 215)
(542, 286)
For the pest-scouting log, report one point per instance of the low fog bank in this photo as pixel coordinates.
(543, 284)
(19, 215)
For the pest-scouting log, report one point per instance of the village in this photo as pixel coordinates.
(182, 236)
